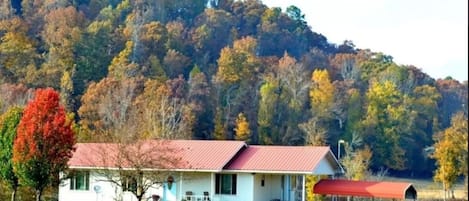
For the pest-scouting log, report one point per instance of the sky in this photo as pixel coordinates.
(429, 34)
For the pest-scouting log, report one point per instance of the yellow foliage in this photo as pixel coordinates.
(451, 152)
(242, 128)
(321, 93)
(311, 180)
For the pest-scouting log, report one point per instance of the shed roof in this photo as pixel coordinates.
(294, 159)
(396, 190)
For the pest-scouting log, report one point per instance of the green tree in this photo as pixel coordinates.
(295, 13)
(268, 133)
(385, 125)
(44, 142)
(8, 125)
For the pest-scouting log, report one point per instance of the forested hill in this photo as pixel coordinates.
(221, 70)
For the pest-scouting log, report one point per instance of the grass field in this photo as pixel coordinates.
(429, 190)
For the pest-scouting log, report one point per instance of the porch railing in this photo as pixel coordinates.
(197, 198)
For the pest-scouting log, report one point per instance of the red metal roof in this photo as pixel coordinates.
(192, 155)
(397, 190)
(301, 159)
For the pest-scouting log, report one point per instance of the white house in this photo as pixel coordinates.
(212, 170)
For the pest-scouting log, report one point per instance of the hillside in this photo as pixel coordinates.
(221, 70)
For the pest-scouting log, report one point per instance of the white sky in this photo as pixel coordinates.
(429, 34)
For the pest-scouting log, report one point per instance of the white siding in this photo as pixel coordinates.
(109, 191)
(197, 183)
(272, 188)
(244, 191)
(324, 168)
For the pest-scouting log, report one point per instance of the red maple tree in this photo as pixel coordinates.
(44, 143)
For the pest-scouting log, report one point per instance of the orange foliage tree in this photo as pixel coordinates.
(44, 142)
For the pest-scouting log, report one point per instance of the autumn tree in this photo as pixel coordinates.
(356, 159)
(44, 142)
(235, 76)
(321, 94)
(107, 106)
(8, 126)
(242, 131)
(61, 32)
(18, 58)
(293, 87)
(451, 152)
(176, 63)
(14, 95)
(211, 32)
(164, 114)
(122, 65)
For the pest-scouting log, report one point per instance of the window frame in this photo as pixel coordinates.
(129, 184)
(80, 181)
(226, 184)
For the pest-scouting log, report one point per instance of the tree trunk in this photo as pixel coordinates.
(38, 195)
(13, 195)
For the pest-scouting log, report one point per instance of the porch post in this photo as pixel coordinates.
(303, 192)
(212, 186)
(180, 185)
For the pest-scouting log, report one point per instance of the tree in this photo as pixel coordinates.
(269, 98)
(107, 106)
(163, 113)
(18, 54)
(44, 142)
(321, 94)
(61, 33)
(175, 63)
(451, 152)
(385, 125)
(8, 124)
(293, 88)
(14, 95)
(211, 32)
(235, 76)
(237, 63)
(356, 160)
(122, 65)
(299, 18)
(242, 128)
(201, 104)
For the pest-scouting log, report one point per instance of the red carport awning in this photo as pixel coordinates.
(395, 190)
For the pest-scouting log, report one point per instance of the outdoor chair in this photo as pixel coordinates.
(189, 195)
(206, 196)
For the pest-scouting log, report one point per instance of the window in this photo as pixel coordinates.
(129, 184)
(80, 180)
(225, 184)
